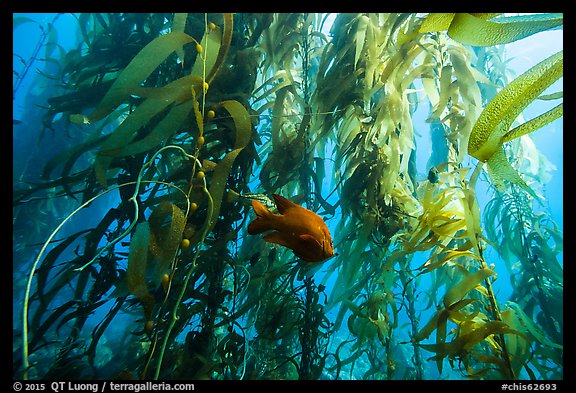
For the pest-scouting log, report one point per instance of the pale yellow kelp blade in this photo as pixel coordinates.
(499, 170)
(472, 30)
(495, 120)
(492, 128)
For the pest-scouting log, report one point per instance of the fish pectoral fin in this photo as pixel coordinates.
(278, 238)
(282, 203)
(309, 239)
(260, 209)
(263, 221)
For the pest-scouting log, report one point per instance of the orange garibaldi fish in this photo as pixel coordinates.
(296, 227)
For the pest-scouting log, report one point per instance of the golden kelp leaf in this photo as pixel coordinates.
(439, 21)
(466, 285)
(177, 91)
(167, 223)
(243, 126)
(429, 266)
(472, 217)
(518, 347)
(136, 270)
(443, 314)
(472, 30)
(466, 81)
(475, 334)
(141, 66)
(360, 37)
(436, 21)
(478, 334)
(495, 120)
(445, 81)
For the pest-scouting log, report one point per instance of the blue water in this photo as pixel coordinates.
(30, 154)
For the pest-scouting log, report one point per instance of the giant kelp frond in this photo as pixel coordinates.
(184, 115)
(489, 29)
(492, 128)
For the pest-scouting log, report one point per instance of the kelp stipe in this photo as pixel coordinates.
(192, 106)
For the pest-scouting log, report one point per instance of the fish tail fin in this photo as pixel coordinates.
(263, 221)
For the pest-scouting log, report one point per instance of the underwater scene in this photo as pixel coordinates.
(288, 196)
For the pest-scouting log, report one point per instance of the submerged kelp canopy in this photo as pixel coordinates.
(183, 114)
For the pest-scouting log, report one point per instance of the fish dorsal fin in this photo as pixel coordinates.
(282, 203)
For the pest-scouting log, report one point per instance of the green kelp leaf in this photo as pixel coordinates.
(51, 42)
(495, 120)
(277, 117)
(41, 330)
(21, 20)
(167, 127)
(535, 123)
(159, 99)
(499, 170)
(215, 44)
(531, 327)
(243, 126)
(101, 327)
(461, 289)
(140, 68)
(178, 24)
(137, 262)
(432, 325)
(167, 223)
(210, 47)
(551, 96)
(242, 122)
(472, 30)
(224, 47)
(70, 156)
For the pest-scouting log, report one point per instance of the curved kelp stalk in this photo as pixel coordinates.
(154, 245)
(137, 288)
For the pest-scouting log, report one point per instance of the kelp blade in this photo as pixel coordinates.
(472, 30)
(495, 120)
(243, 126)
(167, 223)
(137, 262)
(140, 68)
